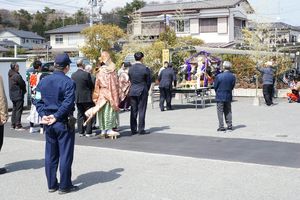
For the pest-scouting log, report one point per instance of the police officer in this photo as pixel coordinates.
(55, 103)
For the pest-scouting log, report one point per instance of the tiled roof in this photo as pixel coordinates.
(7, 43)
(2, 49)
(276, 25)
(24, 34)
(68, 29)
(204, 4)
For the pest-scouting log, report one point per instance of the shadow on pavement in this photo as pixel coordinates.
(127, 133)
(25, 165)
(156, 129)
(239, 126)
(94, 178)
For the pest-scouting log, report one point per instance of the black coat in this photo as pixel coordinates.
(84, 86)
(166, 77)
(17, 86)
(140, 78)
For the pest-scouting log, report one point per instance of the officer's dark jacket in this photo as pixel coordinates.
(57, 96)
(166, 77)
(17, 86)
(140, 78)
(223, 85)
(84, 86)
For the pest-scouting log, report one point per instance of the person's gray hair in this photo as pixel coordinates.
(227, 65)
(79, 63)
(88, 68)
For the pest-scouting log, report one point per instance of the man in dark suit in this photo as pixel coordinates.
(140, 78)
(166, 78)
(223, 85)
(83, 95)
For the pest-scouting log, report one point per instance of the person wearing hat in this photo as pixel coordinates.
(268, 73)
(223, 85)
(83, 96)
(55, 103)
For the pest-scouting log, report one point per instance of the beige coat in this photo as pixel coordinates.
(106, 90)
(3, 104)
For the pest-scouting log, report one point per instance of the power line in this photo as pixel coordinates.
(41, 3)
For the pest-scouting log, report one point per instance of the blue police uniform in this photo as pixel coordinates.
(57, 97)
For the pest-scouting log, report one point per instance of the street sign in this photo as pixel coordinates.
(165, 55)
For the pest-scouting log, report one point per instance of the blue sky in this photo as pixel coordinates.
(271, 10)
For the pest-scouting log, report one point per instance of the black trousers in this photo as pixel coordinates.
(138, 109)
(268, 90)
(1, 136)
(17, 113)
(81, 108)
(165, 95)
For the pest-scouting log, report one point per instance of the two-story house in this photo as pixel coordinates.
(67, 38)
(24, 39)
(280, 32)
(214, 21)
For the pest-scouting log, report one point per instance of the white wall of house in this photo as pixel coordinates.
(296, 33)
(5, 35)
(70, 40)
(223, 31)
(31, 43)
(24, 42)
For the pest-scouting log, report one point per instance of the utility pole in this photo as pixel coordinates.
(95, 4)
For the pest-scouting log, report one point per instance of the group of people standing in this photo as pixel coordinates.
(110, 92)
(56, 95)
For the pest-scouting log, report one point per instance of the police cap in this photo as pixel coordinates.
(62, 60)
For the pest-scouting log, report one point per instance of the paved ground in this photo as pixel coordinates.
(183, 158)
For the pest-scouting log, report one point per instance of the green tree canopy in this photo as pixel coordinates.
(100, 38)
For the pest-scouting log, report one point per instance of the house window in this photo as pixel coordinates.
(59, 39)
(293, 38)
(27, 41)
(209, 25)
(182, 26)
(73, 39)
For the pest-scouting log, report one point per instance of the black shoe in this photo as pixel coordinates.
(169, 108)
(52, 190)
(230, 128)
(19, 128)
(221, 129)
(133, 132)
(73, 188)
(144, 133)
(3, 170)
